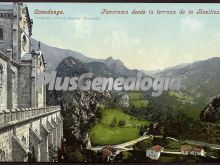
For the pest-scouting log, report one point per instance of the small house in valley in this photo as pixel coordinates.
(154, 152)
(191, 150)
(107, 153)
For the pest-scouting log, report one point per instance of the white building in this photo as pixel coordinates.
(154, 152)
(190, 150)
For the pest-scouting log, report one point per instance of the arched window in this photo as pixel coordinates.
(1, 33)
(2, 156)
(24, 140)
(24, 42)
(13, 81)
(1, 75)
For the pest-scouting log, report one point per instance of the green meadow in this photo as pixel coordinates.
(104, 133)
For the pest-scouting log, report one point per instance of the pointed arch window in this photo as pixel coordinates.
(2, 156)
(1, 76)
(2, 32)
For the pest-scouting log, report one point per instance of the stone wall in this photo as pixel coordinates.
(18, 60)
(5, 145)
(6, 23)
(24, 82)
(15, 89)
(30, 130)
(4, 85)
(12, 86)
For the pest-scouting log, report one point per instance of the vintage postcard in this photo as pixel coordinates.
(109, 82)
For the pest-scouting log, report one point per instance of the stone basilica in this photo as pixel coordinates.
(27, 125)
(19, 64)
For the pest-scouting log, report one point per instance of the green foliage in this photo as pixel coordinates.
(126, 155)
(134, 95)
(137, 100)
(139, 103)
(114, 122)
(160, 141)
(102, 133)
(110, 114)
(122, 123)
(143, 145)
(182, 96)
(98, 114)
(143, 129)
(53, 157)
(78, 156)
(105, 135)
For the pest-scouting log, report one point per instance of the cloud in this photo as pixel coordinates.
(83, 27)
(121, 41)
(191, 25)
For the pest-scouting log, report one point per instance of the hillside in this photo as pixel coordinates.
(200, 79)
(54, 56)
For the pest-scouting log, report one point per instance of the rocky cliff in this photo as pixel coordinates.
(79, 108)
(212, 111)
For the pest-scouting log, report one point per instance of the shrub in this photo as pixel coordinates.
(122, 123)
(113, 122)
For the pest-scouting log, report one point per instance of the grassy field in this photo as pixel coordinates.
(134, 95)
(103, 133)
(183, 97)
(137, 99)
(193, 113)
(140, 103)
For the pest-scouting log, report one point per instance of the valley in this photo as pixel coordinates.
(115, 127)
(111, 118)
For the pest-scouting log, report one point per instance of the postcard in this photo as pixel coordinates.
(109, 82)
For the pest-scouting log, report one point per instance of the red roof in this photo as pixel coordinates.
(197, 149)
(110, 149)
(106, 153)
(186, 148)
(157, 148)
(191, 148)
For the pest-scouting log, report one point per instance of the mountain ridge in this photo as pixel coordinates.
(200, 79)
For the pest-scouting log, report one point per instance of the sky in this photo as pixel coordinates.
(148, 42)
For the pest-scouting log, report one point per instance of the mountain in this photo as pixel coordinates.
(119, 68)
(151, 73)
(71, 66)
(116, 65)
(101, 69)
(200, 79)
(54, 56)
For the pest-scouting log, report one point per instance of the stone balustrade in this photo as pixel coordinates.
(29, 130)
(9, 115)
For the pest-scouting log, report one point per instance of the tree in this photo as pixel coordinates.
(178, 158)
(78, 157)
(53, 156)
(122, 123)
(113, 122)
(143, 145)
(218, 154)
(99, 114)
(207, 149)
(126, 155)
